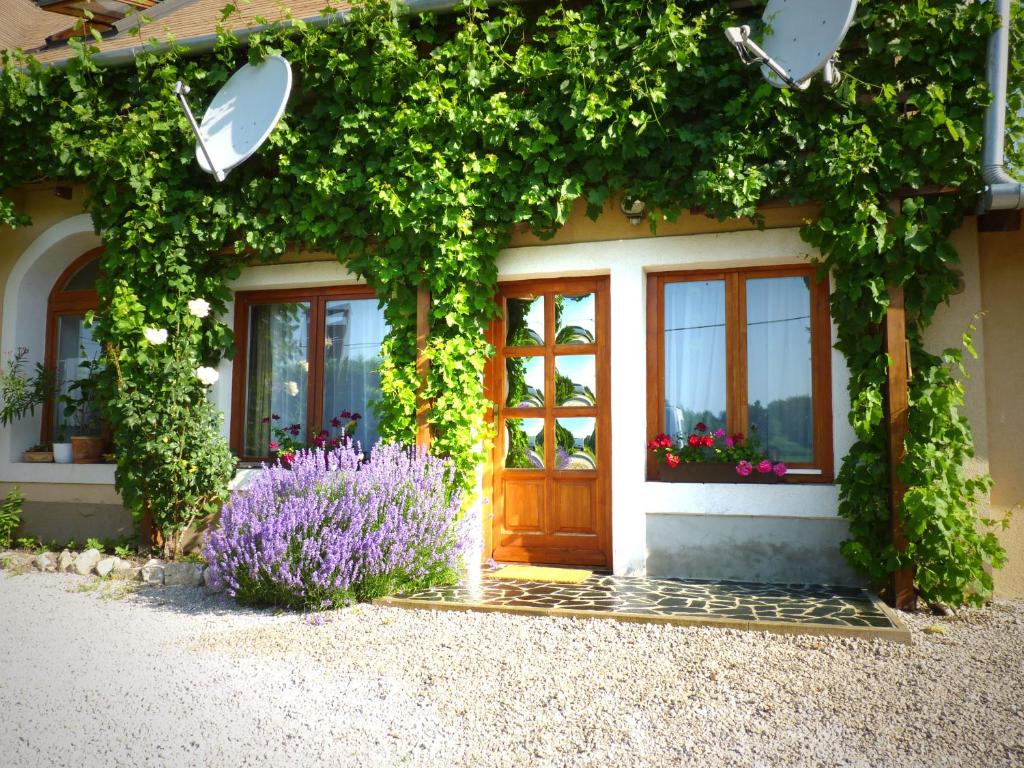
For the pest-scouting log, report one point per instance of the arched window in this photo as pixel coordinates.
(69, 344)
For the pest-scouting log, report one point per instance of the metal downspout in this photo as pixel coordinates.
(1002, 191)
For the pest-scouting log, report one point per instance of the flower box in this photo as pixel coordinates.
(708, 472)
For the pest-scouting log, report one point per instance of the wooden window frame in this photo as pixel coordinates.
(317, 298)
(736, 358)
(61, 303)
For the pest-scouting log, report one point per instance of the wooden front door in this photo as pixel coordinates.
(552, 455)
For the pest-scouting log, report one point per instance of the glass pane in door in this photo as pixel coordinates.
(575, 319)
(524, 322)
(524, 444)
(575, 380)
(524, 382)
(576, 444)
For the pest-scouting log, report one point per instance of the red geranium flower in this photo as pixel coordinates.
(701, 427)
(738, 437)
(707, 441)
(672, 460)
(273, 446)
(694, 441)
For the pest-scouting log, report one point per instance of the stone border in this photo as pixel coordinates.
(92, 562)
(899, 633)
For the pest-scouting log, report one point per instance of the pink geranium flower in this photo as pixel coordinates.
(764, 466)
(719, 433)
(744, 468)
(780, 469)
(729, 442)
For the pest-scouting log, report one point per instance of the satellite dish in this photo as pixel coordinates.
(802, 38)
(241, 116)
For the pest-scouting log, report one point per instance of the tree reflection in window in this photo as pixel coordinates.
(575, 380)
(524, 447)
(574, 319)
(525, 382)
(525, 322)
(576, 444)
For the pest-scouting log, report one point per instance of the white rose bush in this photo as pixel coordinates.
(173, 464)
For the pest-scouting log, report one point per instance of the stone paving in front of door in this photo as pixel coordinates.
(778, 608)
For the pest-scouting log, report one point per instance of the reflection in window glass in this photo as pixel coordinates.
(75, 346)
(524, 444)
(779, 366)
(525, 322)
(695, 388)
(354, 330)
(575, 380)
(574, 319)
(525, 382)
(85, 278)
(576, 444)
(278, 375)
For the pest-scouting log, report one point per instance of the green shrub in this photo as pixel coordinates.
(10, 515)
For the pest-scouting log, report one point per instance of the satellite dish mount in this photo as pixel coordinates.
(801, 40)
(181, 90)
(241, 116)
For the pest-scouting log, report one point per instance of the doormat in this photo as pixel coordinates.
(538, 573)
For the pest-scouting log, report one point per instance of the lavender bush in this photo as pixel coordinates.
(333, 527)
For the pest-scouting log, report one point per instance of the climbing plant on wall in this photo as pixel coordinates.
(413, 146)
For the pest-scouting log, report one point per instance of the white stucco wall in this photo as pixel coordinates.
(24, 325)
(635, 502)
(628, 262)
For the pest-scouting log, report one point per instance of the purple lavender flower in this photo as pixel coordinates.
(332, 527)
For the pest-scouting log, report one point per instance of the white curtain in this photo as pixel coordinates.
(779, 366)
(695, 387)
(355, 329)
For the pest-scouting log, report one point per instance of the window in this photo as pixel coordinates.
(305, 356)
(746, 351)
(69, 344)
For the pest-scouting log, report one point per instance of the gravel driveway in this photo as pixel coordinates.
(91, 676)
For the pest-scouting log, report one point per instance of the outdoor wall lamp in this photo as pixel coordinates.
(634, 211)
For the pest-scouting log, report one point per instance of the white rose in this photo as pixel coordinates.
(155, 335)
(304, 365)
(207, 375)
(199, 307)
(291, 387)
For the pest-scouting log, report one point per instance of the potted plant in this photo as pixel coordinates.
(62, 447)
(21, 393)
(39, 454)
(706, 456)
(81, 405)
(285, 441)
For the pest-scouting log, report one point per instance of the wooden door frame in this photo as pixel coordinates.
(601, 286)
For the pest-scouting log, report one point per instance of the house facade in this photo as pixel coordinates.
(608, 334)
(624, 294)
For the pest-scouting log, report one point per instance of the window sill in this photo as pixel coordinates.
(83, 474)
(725, 474)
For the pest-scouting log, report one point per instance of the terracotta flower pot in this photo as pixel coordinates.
(698, 472)
(87, 450)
